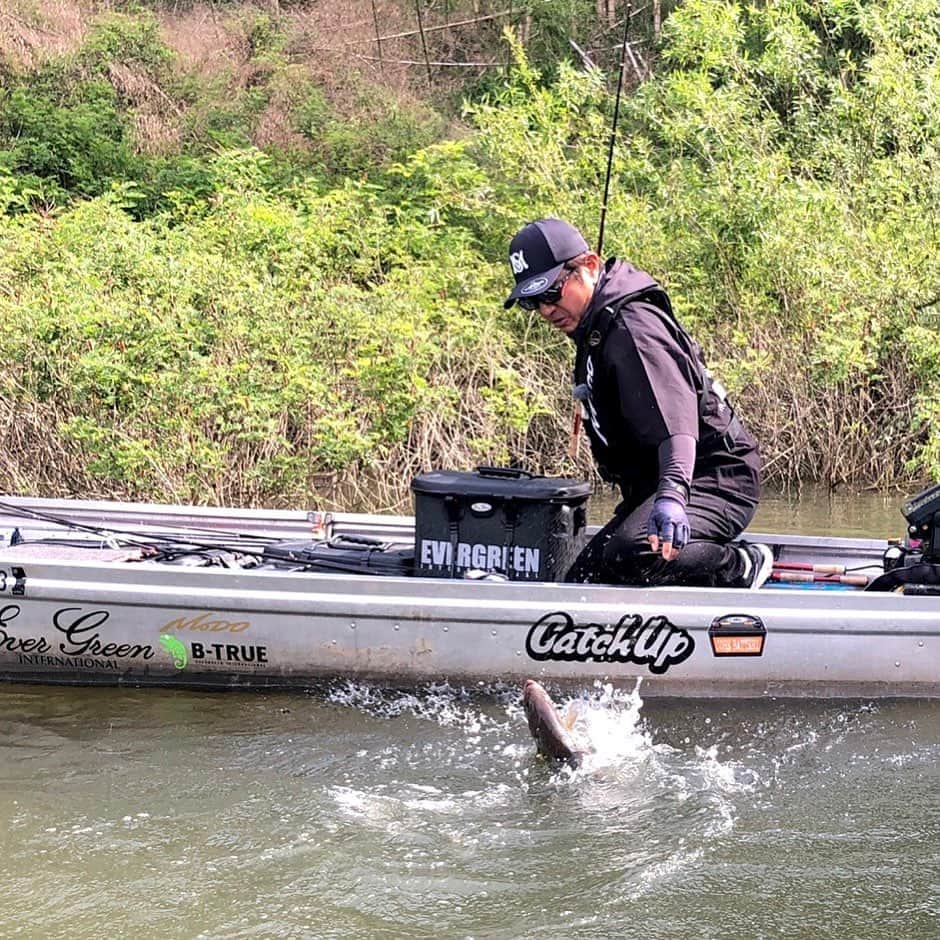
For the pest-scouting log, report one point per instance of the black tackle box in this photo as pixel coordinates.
(496, 519)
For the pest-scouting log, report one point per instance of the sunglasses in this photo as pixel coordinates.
(549, 296)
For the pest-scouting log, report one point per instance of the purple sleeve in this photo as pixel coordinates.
(676, 462)
(655, 375)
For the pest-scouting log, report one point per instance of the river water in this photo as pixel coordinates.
(357, 812)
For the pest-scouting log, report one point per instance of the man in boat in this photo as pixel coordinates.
(661, 428)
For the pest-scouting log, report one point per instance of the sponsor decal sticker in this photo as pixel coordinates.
(206, 622)
(536, 286)
(82, 645)
(10, 643)
(13, 581)
(737, 635)
(653, 642)
(438, 553)
(80, 629)
(227, 656)
(176, 649)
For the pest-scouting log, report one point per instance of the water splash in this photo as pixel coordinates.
(442, 703)
(609, 724)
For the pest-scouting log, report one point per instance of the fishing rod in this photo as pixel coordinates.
(574, 443)
(815, 577)
(136, 538)
(174, 546)
(613, 131)
(807, 572)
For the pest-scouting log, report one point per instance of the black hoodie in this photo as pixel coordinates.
(655, 417)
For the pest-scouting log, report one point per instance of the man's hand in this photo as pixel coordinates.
(668, 527)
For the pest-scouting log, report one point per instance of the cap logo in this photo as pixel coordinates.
(518, 262)
(535, 287)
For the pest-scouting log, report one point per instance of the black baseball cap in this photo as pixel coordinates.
(539, 252)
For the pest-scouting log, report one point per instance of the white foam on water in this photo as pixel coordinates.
(441, 703)
(440, 803)
(430, 800)
(655, 873)
(607, 724)
(714, 784)
(629, 774)
(728, 776)
(626, 772)
(373, 809)
(419, 801)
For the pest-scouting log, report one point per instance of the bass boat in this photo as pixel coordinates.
(467, 591)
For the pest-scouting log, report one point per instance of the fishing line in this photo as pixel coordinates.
(613, 132)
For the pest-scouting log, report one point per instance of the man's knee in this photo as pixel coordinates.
(623, 551)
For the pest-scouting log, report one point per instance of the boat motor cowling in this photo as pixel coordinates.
(922, 513)
(913, 566)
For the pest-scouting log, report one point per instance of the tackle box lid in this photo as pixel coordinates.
(501, 483)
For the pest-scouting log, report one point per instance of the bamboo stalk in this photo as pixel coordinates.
(585, 58)
(434, 62)
(424, 43)
(431, 29)
(378, 38)
(640, 72)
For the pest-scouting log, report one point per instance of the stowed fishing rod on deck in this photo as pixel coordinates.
(804, 572)
(197, 546)
(133, 537)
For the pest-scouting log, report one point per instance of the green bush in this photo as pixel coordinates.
(63, 147)
(232, 355)
(244, 326)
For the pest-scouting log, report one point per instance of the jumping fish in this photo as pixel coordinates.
(552, 737)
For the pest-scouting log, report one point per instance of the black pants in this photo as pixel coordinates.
(720, 507)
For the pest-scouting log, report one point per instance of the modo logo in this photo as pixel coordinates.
(207, 622)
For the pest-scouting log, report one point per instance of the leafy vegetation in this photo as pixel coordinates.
(254, 285)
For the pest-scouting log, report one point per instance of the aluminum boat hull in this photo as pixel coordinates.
(81, 615)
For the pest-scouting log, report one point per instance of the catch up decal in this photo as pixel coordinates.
(652, 642)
